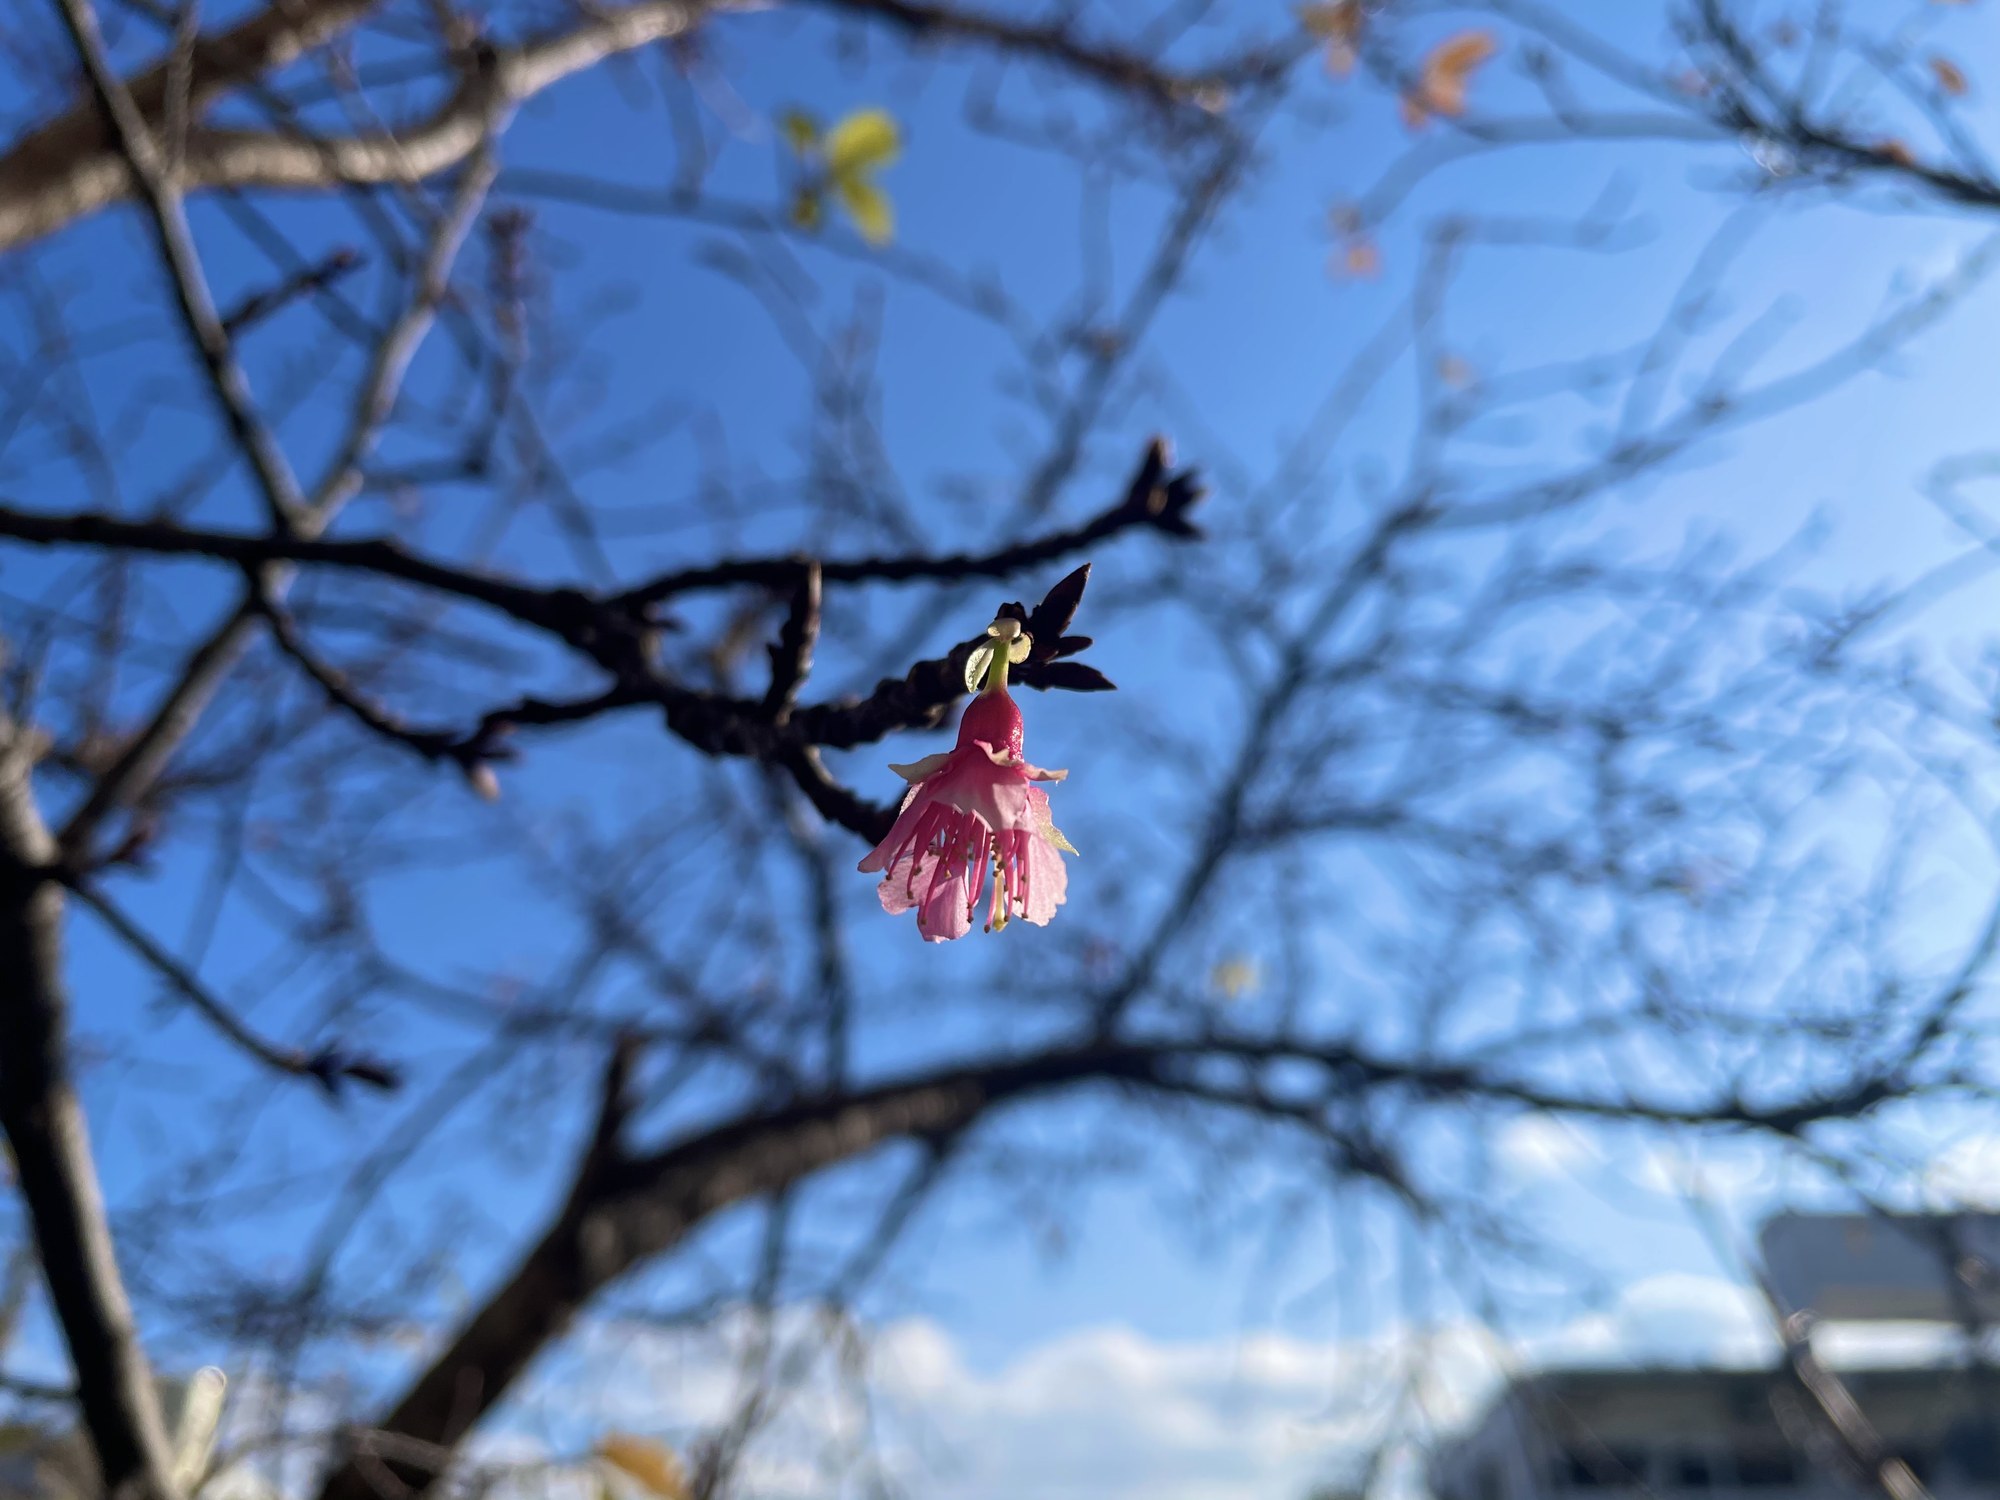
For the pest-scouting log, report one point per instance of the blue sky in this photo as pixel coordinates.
(1252, 343)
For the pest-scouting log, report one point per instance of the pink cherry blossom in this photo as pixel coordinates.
(972, 811)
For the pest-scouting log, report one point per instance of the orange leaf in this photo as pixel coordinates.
(655, 1466)
(1361, 259)
(1456, 56)
(1892, 149)
(1950, 77)
(1447, 70)
(1338, 23)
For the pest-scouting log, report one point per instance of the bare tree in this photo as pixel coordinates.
(1441, 803)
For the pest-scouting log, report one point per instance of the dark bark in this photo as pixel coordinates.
(45, 1129)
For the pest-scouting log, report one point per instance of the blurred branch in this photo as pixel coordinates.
(340, 692)
(70, 167)
(565, 611)
(1157, 496)
(307, 280)
(791, 656)
(615, 631)
(50, 1148)
(181, 706)
(64, 171)
(329, 1067)
(1834, 1411)
(626, 1207)
(35, 1390)
(153, 176)
(1056, 43)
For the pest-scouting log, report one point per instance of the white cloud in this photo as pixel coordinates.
(1109, 1413)
(1723, 1173)
(1686, 1318)
(1857, 1345)
(1536, 1146)
(1106, 1412)
(1097, 1413)
(1966, 1173)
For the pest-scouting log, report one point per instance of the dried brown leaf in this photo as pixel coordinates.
(1950, 77)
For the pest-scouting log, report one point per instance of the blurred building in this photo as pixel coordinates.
(1718, 1434)
(1737, 1434)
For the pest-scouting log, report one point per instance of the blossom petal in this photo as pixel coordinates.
(915, 805)
(1044, 823)
(939, 896)
(1015, 763)
(943, 916)
(923, 770)
(1047, 885)
(988, 788)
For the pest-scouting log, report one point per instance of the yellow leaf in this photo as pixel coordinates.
(1233, 978)
(806, 211)
(866, 139)
(1447, 70)
(801, 132)
(868, 206)
(654, 1465)
(1950, 77)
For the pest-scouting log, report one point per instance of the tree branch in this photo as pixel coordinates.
(791, 655)
(329, 1066)
(1157, 496)
(47, 1136)
(211, 661)
(614, 631)
(625, 1208)
(153, 174)
(68, 169)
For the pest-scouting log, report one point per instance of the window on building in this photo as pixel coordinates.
(1691, 1471)
(1771, 1468)
(1972, 1448)
(1595, 1468)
